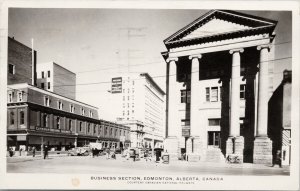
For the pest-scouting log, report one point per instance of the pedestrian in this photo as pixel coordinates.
(46, 152)
(20, 151)
(33, 152)
(11, 152)
(107, 153)
(277, 159)
(134, 155)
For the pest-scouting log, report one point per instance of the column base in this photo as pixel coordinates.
(262, 153)
(194, 149)
(235, 149)
(171, 146)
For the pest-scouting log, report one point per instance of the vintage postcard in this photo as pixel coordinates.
(149, 95)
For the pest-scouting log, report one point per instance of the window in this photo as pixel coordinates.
(89, 128)
(128, 98)
(42, 85)
(80, 126)
(47, 101)
(22, 117)
(214, 122)
(70, 124)
(48, 73)
(185, 96)
(60, 105)
(214, 94)
(10, 97)
(242, 91)
(12, 118)
(43, 75)
(95, 127)
(132, 111)
(110, 131)
(127, 112)
(45, 120)
(132, 90)
(91, 114)
(57, 122)
(116, 132)
(20, 96)
(72, 108)
(132, 82)
(123, 98)
(48, 85)
(100, 131)
(11, 69)
(82, 111)
(105, 133)
(185, 122)
(207, 94)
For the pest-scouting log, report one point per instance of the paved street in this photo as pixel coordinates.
(100, 165)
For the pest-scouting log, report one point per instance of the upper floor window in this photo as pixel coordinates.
(70, 124)
(60, 105)
(48, 73)
(242, 91)
(80, 126)
(20, 96)
(212, 94)
(185, 122)
(48, 85)
(11, 69)
(12, 118)
(214, 122)
(100, 131)
(95, 127)
(22, 117)
(82, 111)
(42, 85)
(58, 122)
(116, 132)
(72, 108)
(106, 131)
(91, 114)
(185, 96)
(43, 76)
(47, 101)
(45, 120)
(88, 127)
(10, 97)
(110, 131)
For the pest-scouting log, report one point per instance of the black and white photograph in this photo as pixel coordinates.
(155, 95)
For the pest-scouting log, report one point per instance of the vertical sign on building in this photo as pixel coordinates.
(116, 85)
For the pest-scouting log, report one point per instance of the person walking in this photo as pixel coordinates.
(46, 152)
(277, 159)
(33, 152)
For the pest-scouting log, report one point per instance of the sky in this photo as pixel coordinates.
(95, 43)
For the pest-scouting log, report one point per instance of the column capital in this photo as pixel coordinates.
(268, 46)
(195, 56)
(240, 50)
(172, 59)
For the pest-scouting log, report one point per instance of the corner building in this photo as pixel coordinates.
(218, 74)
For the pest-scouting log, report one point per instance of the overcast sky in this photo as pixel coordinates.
(92, 42)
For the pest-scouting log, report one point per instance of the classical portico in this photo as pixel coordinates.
(220, 47)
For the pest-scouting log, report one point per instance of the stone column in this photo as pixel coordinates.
(171, 143)
(262, 153)
(235, 142)
(194, 153)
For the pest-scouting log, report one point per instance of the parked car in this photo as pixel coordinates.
(79, 151)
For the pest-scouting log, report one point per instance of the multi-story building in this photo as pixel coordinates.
(217, 99)
(21, 63)
(37, 117)
(136, 132)
(55, 78)
(280, 118)
(138, 97)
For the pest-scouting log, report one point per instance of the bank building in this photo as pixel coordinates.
(219, 82)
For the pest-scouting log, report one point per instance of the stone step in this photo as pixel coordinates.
(214, 155)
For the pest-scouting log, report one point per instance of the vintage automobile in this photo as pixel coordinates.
(80, 151)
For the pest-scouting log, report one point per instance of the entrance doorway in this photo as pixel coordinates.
(214, 139)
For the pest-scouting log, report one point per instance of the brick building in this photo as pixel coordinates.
(37, 117)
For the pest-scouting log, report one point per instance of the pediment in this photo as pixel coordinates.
(220, 24)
